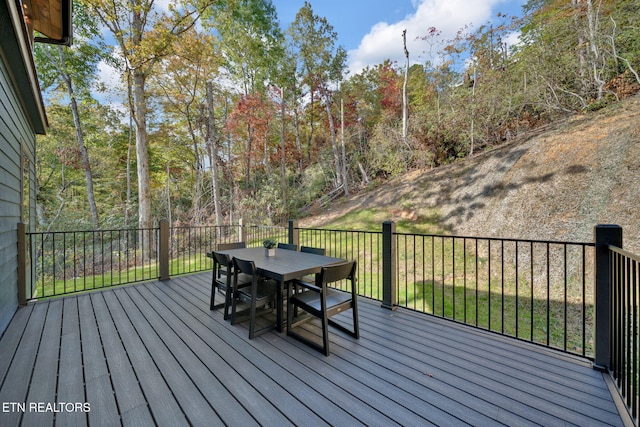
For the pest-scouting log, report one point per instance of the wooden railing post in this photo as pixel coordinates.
(164, 250)
(604, 235)
(22, 264)
(294, 235)
(242, 231)
(389, 265)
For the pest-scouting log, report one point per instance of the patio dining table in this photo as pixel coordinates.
(284, 266)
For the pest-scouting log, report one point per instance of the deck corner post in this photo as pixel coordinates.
(242, 231)
(294, 237)
(22, 264)
(389, 266)
(164, 250)
(604, 236)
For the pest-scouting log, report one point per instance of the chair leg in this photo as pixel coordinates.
(233, 310)
(227, 302)
(213, 291)
(289, 309)
(325, 335)
(252, 314)
(356, 328)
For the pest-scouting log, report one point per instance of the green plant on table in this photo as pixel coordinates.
(269, 243)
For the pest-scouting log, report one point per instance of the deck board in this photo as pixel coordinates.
(45, 371)
(526, 387)
(205, 366)
(154, 354)
(12, 337)
(112, 365)
(243, 359)
(160, 397)
(15, 384)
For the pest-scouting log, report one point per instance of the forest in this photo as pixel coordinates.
(226, 115)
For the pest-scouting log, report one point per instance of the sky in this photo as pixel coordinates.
(371, 30)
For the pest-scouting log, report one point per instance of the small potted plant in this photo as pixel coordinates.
(270, 247)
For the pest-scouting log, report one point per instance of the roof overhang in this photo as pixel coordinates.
(51, 18)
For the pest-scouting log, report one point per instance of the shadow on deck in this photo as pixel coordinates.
(153, 354)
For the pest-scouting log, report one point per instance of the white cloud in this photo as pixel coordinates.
(109, 76)
(384, 40)
(115, 93)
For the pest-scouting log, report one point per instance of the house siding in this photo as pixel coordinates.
(17, 138)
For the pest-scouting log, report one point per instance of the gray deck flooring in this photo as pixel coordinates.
(153, 354)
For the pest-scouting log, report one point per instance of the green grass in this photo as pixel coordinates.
(456, 280)
(371, 219)
(151, 271)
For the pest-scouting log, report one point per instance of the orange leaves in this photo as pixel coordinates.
(254, 112)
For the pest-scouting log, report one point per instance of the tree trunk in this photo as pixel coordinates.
(580, 49)
(332, 131)
(282, 153)
(214, 156)
(405, 100)
(127, 208)
(594, 22)
(197, 217)
(247, 173)
(310, 138)
(296, 125)
(473, 110)
(86, 164)
(142, 153)
(345, 181)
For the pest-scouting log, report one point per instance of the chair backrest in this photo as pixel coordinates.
(244, 266)
(234, 245)
(310, 250)
(221, 264)
(336, 272)
(288, 246)
(222, 259)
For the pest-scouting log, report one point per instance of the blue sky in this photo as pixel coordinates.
(371, 30)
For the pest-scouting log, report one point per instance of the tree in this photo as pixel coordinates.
(144, 35)
(72, 70)
(321, 64)
(182, 82)
(251, 42)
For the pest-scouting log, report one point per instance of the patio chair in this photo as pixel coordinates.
(323, 302)
(232, 245)
(260, 296)
(311, 250)
(288, 246)
(222, 264)
(220, 270)
(224, 247)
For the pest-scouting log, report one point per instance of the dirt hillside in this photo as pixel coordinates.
(556, 184)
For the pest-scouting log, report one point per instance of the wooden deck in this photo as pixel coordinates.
(153, 354)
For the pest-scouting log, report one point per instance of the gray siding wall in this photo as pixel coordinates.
(16, 135)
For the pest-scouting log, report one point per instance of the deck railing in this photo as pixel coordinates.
(363, 246)
(625, 336)
(537, 291)
(581, 298)
(64, 262)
